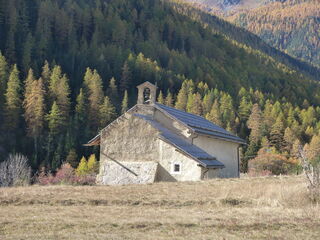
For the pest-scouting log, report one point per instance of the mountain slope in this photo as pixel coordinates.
(288, 25)
(102, 34)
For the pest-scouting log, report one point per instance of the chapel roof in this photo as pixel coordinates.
(203, 158)
(199, 124)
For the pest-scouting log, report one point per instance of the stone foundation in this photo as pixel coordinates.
(120, 173)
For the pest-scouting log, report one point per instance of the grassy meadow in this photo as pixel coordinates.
(246, 208)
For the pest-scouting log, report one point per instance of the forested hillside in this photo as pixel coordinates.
(68, 68)
(289, 25)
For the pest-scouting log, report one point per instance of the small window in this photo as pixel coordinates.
(176, 168)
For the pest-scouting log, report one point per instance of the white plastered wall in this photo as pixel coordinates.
(225, 152)
(190, 171)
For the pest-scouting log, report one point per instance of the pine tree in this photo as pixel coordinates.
(124, 105)
(107, 112)
(160, 98)
(13, 100)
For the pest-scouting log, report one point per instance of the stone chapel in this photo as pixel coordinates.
(153, 142)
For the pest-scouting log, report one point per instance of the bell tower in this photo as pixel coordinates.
(147, 93)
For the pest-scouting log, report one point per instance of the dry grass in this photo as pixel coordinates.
(256, 208)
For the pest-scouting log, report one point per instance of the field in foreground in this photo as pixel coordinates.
(248, 208)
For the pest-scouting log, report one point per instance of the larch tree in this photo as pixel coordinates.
(254, 123)
(207, 102)
(107, 112)
(276, 134)
(244, 109)
(55, 119)
(46, 74)
(169, 99)
(112, 91)
(81, 109)
(182, 97)
(214, 115)
(160, 98)
(196, 107)
(94, 91)
(3, 83)
(34, 109)
(124, 104)
(13, 100)
(125, 77)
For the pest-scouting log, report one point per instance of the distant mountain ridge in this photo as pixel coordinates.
(289, 25)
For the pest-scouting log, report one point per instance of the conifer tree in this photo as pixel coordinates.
(55, 119)
(215, 115)
(207, 102)
(190, 102)
(34, 107)
(160, 98)
(3, 78)
(255, 124)
(124, 105)
(196, 107)
(107, 112)
(125, 77)
(27, 53)
(93, 87)
(289, 138)
(81, 109)
(13, 100)
(169, 99)
(227, 110)
(3, 85)
(244, 109)
(182, 97)
(112, 91)
(72, 158)
(54, 83)
(92, 164)
(46, 74)
(82, 168)
(276, 134)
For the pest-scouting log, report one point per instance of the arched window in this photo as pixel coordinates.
(146, 96)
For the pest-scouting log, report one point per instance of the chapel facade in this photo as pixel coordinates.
(153, 142)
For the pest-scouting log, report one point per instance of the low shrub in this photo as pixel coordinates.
(15, 171)
(65, 175)
(270, 162)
